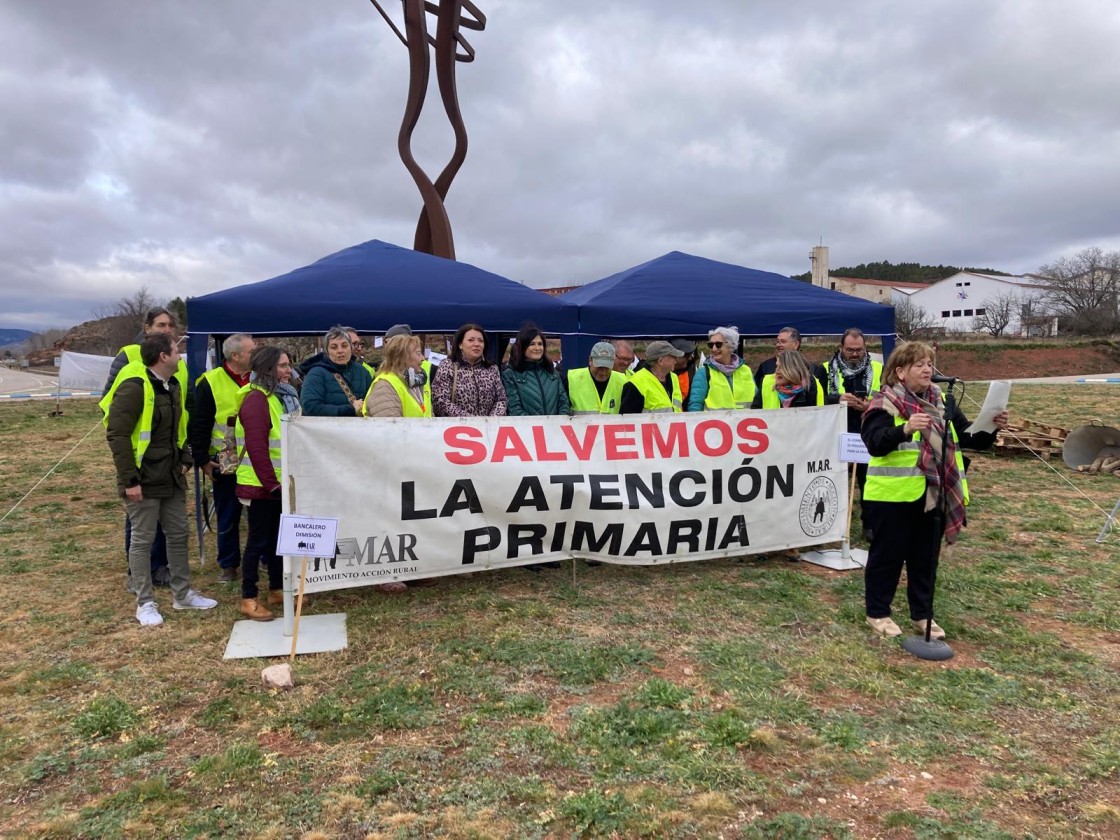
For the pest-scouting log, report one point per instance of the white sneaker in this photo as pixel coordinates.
(194, 601)
(884, 626)
(935, 630)
(148, 614)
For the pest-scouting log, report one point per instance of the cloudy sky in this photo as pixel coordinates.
(194, 146)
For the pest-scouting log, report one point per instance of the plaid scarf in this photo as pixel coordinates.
(899, 401)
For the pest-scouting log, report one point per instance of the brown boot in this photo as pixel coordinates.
(276, 598)
(254, 609)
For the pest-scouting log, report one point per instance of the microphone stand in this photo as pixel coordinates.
(923, 647)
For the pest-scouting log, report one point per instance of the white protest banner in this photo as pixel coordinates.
(421, 498)
(83, 371)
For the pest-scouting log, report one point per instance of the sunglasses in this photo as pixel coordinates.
(715, 345)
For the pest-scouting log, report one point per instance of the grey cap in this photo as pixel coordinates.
(684, 345)
(602, 355)
(656, 349)
(398, 329)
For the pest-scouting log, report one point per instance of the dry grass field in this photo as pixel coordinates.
(736, 699)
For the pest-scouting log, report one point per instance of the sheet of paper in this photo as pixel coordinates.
(996, 401)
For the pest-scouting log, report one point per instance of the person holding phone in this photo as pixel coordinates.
(850, 376)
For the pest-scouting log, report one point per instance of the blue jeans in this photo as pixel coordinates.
(227, 510)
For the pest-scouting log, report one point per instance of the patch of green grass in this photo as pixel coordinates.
(923, 827)
(105, 717)
(789, 826)
(597, 813)
(569, 661)
(1103, 755)
(514, 705)
(236, 762)
(218, 711)
(68, 674)
(15, 567)
(109, 817)
(47, 765)
(394, 706)
(143, 745)
(844, 730)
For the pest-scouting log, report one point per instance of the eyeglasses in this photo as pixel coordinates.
(359, 345)
(715, 345)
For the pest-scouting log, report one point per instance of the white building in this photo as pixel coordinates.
(956, 303)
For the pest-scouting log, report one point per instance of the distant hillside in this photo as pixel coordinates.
(13, 338)
(901, 272)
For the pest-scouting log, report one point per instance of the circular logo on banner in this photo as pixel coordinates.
(819, 506)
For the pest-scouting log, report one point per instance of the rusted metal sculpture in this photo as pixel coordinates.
(433, 229)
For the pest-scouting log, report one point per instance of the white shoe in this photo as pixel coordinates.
(935, 631)
(884, 626)
(194, 601)
(148, 614)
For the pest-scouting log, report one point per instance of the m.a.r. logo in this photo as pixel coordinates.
(819, 506)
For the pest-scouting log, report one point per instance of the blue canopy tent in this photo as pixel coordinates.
(370, 287)
(682, 295)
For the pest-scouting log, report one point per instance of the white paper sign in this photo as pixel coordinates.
(999, 393)
(852, 449)
(307, 536)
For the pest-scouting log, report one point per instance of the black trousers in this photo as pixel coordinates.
(903, 534)
(260, 544)
(227, 509)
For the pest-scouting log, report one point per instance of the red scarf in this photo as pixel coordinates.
(899, 401)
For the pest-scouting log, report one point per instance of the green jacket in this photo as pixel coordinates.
(159, 471)
(534, 391)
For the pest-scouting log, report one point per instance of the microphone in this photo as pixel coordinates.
(945, 380)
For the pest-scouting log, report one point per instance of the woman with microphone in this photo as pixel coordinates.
(916, 470)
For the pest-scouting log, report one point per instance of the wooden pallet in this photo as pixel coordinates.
(1029, 437)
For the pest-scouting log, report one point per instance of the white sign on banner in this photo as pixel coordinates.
(853, 450)
(307, 536)
(419, 498)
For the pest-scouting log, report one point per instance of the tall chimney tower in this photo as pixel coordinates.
(820, 266)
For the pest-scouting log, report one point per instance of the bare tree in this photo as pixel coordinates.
(998, 312)
(133, 308)
(911, 319)
(44, 340)
(1085, 288)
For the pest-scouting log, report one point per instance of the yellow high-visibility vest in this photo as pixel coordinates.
(584, 395)
(772, 399)
(720, 393)
(246, 475)
(142, 433)
(226, 403)
(876, 377)
(656, 398)
(896, 477)
(132, 353)
(409, 406)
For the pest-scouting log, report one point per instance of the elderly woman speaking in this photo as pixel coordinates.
(916, 488)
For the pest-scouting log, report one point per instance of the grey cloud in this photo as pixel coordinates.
(197, 146)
